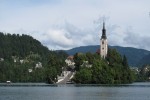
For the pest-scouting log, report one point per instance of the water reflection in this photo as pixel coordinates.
(42, 91)
(137, 84)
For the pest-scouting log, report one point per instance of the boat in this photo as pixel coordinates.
(8, 82)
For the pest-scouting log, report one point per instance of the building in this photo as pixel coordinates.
(103, 43)
(70, 62)
(30, 70)
(38, 65)
(86, 64)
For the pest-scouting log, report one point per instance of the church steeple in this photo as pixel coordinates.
(104, 32)
(103, 43)
(103, 25)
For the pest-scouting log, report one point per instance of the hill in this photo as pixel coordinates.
(133, 55)
(25, 59)
(20, 46)
(145, 60)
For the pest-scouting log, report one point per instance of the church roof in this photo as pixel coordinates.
(103, 32)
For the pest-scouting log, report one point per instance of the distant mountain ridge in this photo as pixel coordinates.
(136, 57)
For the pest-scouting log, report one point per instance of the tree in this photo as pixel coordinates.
(112, 70)
(83, 76)
(51, 75)
(125, 62)
(79, 58)
(90, 57)
(113, 57)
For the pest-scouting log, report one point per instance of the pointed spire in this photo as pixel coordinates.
(103, 24)
(104, 31)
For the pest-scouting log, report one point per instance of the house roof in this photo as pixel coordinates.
(70, 57)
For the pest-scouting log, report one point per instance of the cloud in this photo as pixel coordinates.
(63, 24)
(60, 37)
(64, 37)
(136, 40)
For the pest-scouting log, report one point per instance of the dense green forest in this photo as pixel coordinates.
(112, 70)
(24, 59)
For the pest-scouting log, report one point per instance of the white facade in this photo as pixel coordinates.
(21, 61)
(103, 48)
(30, 70)
(86, 64)
(1, 59)
(70, 63)
(38, 65)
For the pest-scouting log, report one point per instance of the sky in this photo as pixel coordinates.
(65, 24)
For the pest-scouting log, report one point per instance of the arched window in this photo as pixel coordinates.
(102, 42)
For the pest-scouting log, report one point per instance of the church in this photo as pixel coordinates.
(103, 43)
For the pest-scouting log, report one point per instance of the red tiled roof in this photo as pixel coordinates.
(70, 57)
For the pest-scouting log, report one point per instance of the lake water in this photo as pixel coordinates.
(41, 91)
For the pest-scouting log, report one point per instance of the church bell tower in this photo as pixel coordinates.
(103, 43)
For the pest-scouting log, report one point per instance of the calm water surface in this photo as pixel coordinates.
(38, 91)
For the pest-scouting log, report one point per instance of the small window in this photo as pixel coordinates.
(102, 42)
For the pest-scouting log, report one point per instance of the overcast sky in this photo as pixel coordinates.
(64, 24)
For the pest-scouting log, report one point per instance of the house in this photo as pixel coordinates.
(38, 65)
(70, 62)
(1, 59)
(21, 61)
(146, 69)
(30, 70)
(86, 64)
(135, 69)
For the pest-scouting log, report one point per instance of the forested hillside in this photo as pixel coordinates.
(145, 60)
(25, 59)
(20, 45)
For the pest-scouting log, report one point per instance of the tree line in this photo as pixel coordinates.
(112, 70)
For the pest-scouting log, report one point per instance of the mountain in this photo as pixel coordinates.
(134, 55)
(145, 60)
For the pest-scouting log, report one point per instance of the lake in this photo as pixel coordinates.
(41, 91)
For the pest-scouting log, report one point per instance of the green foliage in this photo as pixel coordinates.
(83, 74)
(125, 62)
(144, 73)
(112, 70)
(51, 75)
(79, 58)
(113, 57)
(14, 48)
(101, 72)
(90, 57)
